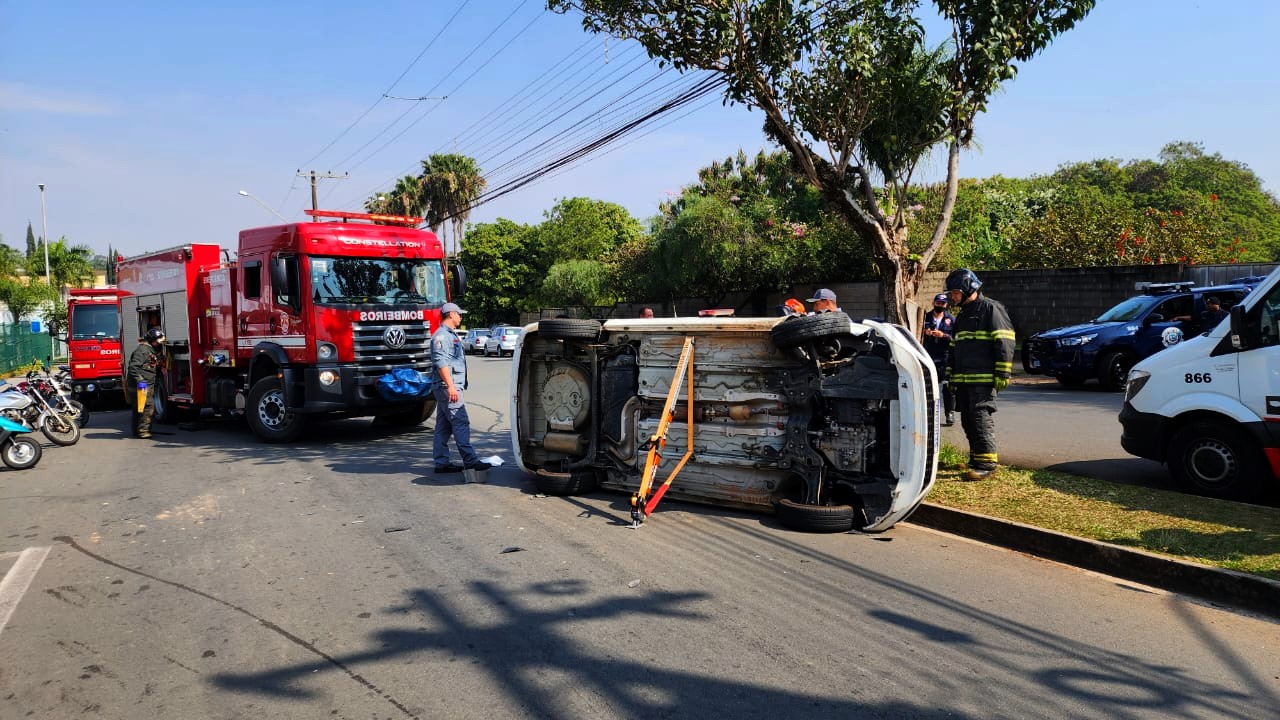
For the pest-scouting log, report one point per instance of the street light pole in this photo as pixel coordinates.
(268, 207)
(44, 227)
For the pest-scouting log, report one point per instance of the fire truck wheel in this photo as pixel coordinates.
(268, 417)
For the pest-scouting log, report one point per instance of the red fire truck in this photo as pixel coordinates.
(93, 342)
(303, 321)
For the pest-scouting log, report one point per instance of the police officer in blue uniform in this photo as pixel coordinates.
(939, 328)
(450, 364)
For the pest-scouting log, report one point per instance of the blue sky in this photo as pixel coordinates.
(145, 119)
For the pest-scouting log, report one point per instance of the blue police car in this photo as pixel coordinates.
(1107, 347)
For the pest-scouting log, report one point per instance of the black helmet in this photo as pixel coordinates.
(154, 335)
(963, 280)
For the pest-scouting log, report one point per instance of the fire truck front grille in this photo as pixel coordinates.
(375, 355)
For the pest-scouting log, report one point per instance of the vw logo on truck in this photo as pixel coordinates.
(394, 337)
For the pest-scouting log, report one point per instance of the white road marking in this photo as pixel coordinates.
(18, 579)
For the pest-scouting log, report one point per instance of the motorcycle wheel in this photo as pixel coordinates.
(60, 430)
(20, 453)
(79, 412)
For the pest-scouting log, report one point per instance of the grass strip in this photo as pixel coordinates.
(1212, 532)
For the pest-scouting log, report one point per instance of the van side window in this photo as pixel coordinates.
(1269, 318)
(253, 279)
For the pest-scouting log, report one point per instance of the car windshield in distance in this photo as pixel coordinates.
(1130, 309)
(388, 281)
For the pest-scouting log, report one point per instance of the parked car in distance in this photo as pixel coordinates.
(830, 423)
(473, 340)
(1109, 345)
(503, 341)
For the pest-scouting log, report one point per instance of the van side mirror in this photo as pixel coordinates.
(1239, 334)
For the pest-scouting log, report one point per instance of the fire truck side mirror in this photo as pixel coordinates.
(457, 280)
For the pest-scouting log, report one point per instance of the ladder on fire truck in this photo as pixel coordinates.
(647, 497)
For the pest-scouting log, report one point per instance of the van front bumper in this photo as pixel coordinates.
(1143, 434)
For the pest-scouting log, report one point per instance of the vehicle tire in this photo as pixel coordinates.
(1216, 459)
(80, 412)
(268, 417)
(20, 453)
(1071, 380)
(408, 418)
(798, 330)
(577, 482)
(569, 329)
(1113, 370)
(60, 430)
(814, 518)
(1026, 359)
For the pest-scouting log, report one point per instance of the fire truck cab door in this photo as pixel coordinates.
(255, 306)
(284, 319)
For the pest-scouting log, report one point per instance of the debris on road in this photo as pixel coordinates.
(394, 529)
(513, 548)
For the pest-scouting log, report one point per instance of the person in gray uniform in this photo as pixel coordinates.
(450, 364)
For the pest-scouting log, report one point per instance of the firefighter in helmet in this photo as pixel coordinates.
(140, 380)
(979, 367)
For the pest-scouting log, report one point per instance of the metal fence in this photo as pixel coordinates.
(19, 346)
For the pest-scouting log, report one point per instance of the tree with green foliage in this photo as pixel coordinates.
(575, 249)
(69, 265)
(1185, 206)
(31, 241)
(405, 199)
(450, 184)
(500, 272)
(750, 224)
(19, 292)
(852, 91)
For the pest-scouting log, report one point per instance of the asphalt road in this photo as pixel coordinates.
(1041, 424)
(205, 575)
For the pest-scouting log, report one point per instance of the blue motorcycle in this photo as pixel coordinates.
(18, 452)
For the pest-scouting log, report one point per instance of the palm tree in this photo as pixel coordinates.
(69, 265)
(450, 184)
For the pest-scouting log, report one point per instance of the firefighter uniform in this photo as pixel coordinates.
(981, 358)
(142, 368)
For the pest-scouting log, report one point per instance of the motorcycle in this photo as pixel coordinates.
(16, 451)
(27, 404)
(57, 387)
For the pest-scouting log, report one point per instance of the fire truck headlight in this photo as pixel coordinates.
(326, 351)
(90, 387)
(328, 377)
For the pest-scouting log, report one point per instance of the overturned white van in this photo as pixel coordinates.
(831, 423)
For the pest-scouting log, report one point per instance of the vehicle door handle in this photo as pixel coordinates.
(244, 324)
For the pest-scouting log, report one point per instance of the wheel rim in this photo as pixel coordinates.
(1119, 371)
(19, 453)
(271, 410)
(1211, 462)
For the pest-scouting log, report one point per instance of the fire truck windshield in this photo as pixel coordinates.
(392, 281)
(90, 322)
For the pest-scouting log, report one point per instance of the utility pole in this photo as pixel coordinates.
(315, 203)
(44, 225)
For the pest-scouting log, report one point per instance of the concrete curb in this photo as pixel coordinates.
(1214, 584)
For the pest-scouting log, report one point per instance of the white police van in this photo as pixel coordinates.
(1209, 407)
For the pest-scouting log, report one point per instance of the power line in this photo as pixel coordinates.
(393, 84)
(454, 91)
(343, 162)
(699, 90)
(533, 97)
